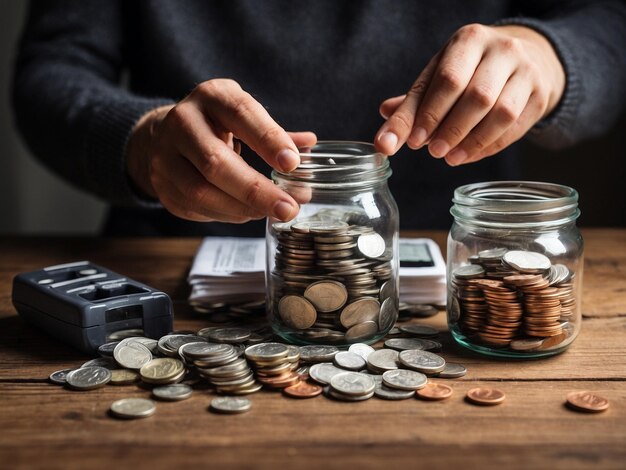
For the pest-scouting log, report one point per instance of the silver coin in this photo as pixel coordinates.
(353, 384)
(371, 245)
(230, 405)
(363, 330)
(266, 351)
(106, 349)
(88, 378)
(349, 360)
(173, 392)
(452, 370)
(362, 349)
(422, 361)
(423, 331)
(204, 350)
(492, 254)
(131, 408)
(59, 377)
(174, 342)
(151, 344)
(388, 314)
(527, 261)
(401, 344)
(393, 393)
(403, 379)
(106, 362)
(323, 372)
(469, 271)
(317, 353)
(382, 360)
(230, 335)
(132, 355)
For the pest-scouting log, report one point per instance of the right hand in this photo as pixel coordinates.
(186, 155)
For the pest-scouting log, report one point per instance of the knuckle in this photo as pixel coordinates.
(401, 121)
(511, 45)
(253, 192)
(455, 131)
(431, 118)
(471, 31)
(272, 135)
(506, 112)
(450, 78)
(212, 166)
(217, 87)
(241, 106)
(478, 140)
(418, 88)
(178, 116)
(482, 95)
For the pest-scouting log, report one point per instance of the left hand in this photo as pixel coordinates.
(483, 91)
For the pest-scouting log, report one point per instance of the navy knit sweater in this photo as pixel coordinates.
(88, 69)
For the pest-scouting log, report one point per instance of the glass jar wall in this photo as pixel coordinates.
(332, 272)
(515, 262)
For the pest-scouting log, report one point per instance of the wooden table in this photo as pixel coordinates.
(44, 425)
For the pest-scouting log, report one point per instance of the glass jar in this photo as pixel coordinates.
(332, 272)
(515, 263)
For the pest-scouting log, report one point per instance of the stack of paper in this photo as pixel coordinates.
(231, 270)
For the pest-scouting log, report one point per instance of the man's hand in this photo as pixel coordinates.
(483, 91)
(187, 157)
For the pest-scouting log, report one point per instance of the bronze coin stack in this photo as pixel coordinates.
(524, 304)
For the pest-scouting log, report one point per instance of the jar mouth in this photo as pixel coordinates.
(336, 165)
(515, 203)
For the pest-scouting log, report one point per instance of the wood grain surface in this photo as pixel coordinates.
(47, 426)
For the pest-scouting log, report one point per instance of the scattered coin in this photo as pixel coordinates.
(317, 353)
(362, 349)
(173, 392)
(353, 384)
(435, 391)
(323, 372)
(383, 360)
(106, 362)
(130, 408)
(388, 393)
(423, 331)
(485, 396)
(403, 379)
(230, 405)
(422, 361)
(131, 355)
(303, 390)
(162, 371)
(88, 378)
(587, 402)
(59, 377)
(349, 361)
(452, 370)
(124, 377)
(106, 349)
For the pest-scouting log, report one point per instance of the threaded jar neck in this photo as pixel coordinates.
(337, 165)
(515, 204)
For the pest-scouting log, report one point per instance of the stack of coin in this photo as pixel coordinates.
(332, 281)
(163, 370)
(274, 364)
(506, 296)
(223, 367)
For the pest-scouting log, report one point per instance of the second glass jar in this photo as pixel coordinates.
(332, 272)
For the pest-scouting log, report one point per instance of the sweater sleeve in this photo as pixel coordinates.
(590, 40)
(68, 102)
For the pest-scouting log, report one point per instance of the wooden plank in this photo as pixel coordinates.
(531, 427)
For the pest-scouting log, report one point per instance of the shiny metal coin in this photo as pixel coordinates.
(132, 355)
(422, 331)
(59, 377)
(297, 312)
(359, 311)
(266, 351)
(230, 405)
(363, 330)
(353, 384)
(132, 408)
(174, 392)
(527, 261)
(403, 379)
(422, 361)
(106, 362)
(362, 349)
(106, 349)
(124, 377)
(161, 370)
(317, 353)
(388, 393)
(88, 378)
(469, 271)
(371, 245)
(383, 360)
(452, 370)
(323, 372)
(349, 361)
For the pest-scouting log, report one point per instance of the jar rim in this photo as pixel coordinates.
(515, 203)
(335, 164)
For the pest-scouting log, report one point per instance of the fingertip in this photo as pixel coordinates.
(287, 160)
(386, 143)
(285, 210)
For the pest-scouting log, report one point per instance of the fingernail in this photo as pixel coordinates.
(283, 210)
(388, 140)
(439, 148)
(456, 157)
(288, 160)
(420, 137)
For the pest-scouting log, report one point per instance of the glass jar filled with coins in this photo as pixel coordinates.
(332, 272)
(515, 261)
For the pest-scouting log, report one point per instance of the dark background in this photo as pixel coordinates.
(32, 200)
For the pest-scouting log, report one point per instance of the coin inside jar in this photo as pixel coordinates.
(326, 296)
(297, 312)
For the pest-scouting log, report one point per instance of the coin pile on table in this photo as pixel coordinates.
(514, 299)
(274, 364)
(332, 281)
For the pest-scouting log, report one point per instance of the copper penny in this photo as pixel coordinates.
(485, 396)
(434, 391)
(303, 390)
(587, 401)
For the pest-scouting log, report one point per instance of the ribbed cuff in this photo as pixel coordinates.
(109, 132)
(552, 131)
